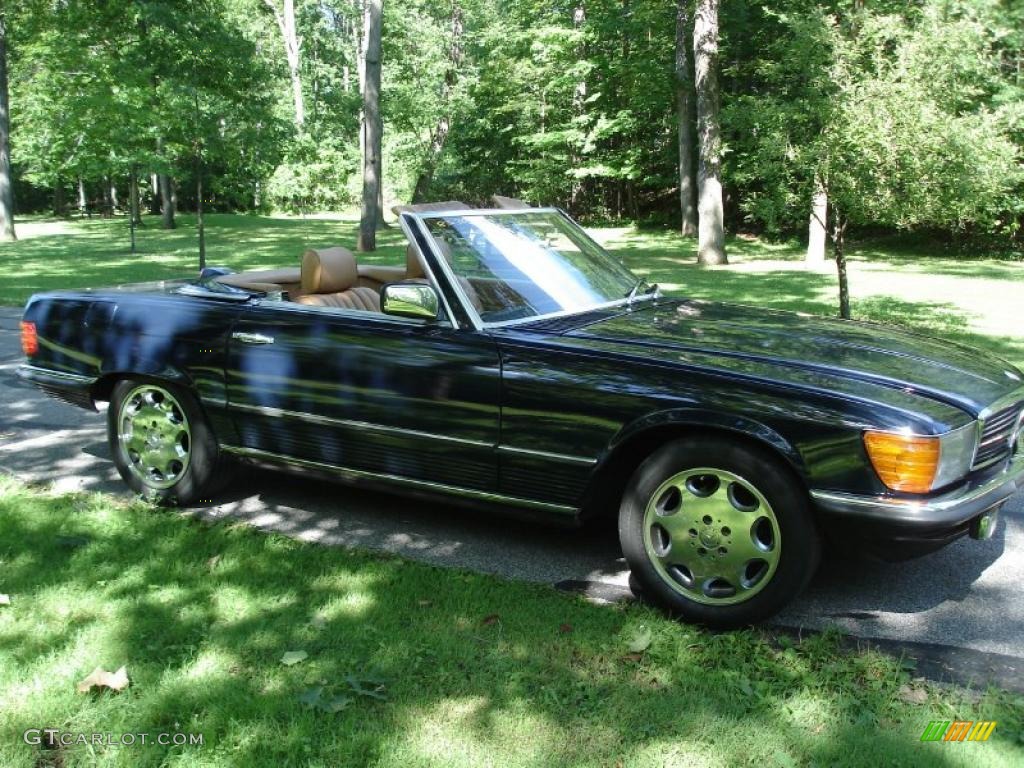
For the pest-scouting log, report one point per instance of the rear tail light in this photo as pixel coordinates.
(29, 339)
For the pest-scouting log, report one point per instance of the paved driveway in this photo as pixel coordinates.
(964, 597)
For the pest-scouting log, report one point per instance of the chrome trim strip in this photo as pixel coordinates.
(1003, 402)
(27, 371)
(480, 212)
(446, 270)
(949, 509)
(1013, 398)
(252, 338)
(403, 222)
(356, 474)
(264, 410)
(563, 457)
(569, 312)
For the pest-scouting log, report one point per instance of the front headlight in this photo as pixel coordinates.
(921, 463)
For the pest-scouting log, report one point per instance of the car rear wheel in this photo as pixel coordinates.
(718, 532)
(161, 442)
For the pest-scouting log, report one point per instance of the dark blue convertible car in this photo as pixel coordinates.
(512, 361)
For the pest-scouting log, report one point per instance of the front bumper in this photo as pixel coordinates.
(909, 527)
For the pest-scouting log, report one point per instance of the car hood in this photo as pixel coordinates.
(866, 352)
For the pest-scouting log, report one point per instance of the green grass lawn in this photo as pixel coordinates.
(424, 666)
(969, 300)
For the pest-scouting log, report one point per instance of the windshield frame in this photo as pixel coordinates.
(449, 274)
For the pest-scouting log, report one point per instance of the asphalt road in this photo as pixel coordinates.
(963, 602)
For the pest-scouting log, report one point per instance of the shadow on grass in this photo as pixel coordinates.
(477, 671)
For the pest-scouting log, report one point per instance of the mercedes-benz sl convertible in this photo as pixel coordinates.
(513, 362)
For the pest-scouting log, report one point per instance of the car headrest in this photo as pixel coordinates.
(413, 265)
(328, 270)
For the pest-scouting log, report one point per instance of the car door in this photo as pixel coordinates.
(367, 392)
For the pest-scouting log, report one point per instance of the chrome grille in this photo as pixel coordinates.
(995, 436)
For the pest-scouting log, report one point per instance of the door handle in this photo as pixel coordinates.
(252, 338)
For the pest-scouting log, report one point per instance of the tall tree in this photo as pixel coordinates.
(6, 182)
(711, 226)
(684, 119)
(284, 15)
(439, 134)
(372, 128)
(817, 225)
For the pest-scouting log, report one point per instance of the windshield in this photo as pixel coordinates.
(525, 264)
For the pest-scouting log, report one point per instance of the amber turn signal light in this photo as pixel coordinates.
(905, 463)
(29, 339)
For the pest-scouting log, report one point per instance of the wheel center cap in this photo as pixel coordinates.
(709, 538)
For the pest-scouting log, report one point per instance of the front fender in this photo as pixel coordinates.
(681, 419)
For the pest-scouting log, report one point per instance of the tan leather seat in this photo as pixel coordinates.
(330, 279)
(414, 270)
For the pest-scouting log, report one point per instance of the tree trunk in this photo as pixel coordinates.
(816, 228)
(285, 17)
(440, 132)
(83, 203)
(200, 224)
(168, 201)
(711, 227)
(113, 196)
(6, 182)
(134, 209)
(372, 129)
(59, 206)
(154, 191)
(108, 201)
(684, 116)
(839, 252)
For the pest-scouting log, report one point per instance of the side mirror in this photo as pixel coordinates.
(409, 300)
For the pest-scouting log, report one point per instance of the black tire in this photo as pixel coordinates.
(204, 473)
(660, 561)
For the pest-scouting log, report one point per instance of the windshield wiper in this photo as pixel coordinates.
(635, 290)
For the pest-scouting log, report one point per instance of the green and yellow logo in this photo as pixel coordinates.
(958, 730)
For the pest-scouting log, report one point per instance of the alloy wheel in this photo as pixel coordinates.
(154, 435)
(712, 536)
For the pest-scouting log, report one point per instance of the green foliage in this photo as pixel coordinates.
(912, 113)
(900, 115)
(314, 177)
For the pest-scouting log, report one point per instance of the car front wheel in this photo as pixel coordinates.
(718, 532)
(161, 442)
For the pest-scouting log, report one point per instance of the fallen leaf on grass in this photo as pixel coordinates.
(291, 658)
(425, 603)
(212, 563)
(311, 697)
(492, 619)
(314, 699)
(565, 629)
(641, 640)
(5, 599)
(913, 695)
(100, 678)
(335, 705)
(370, 687)
(633, 657)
